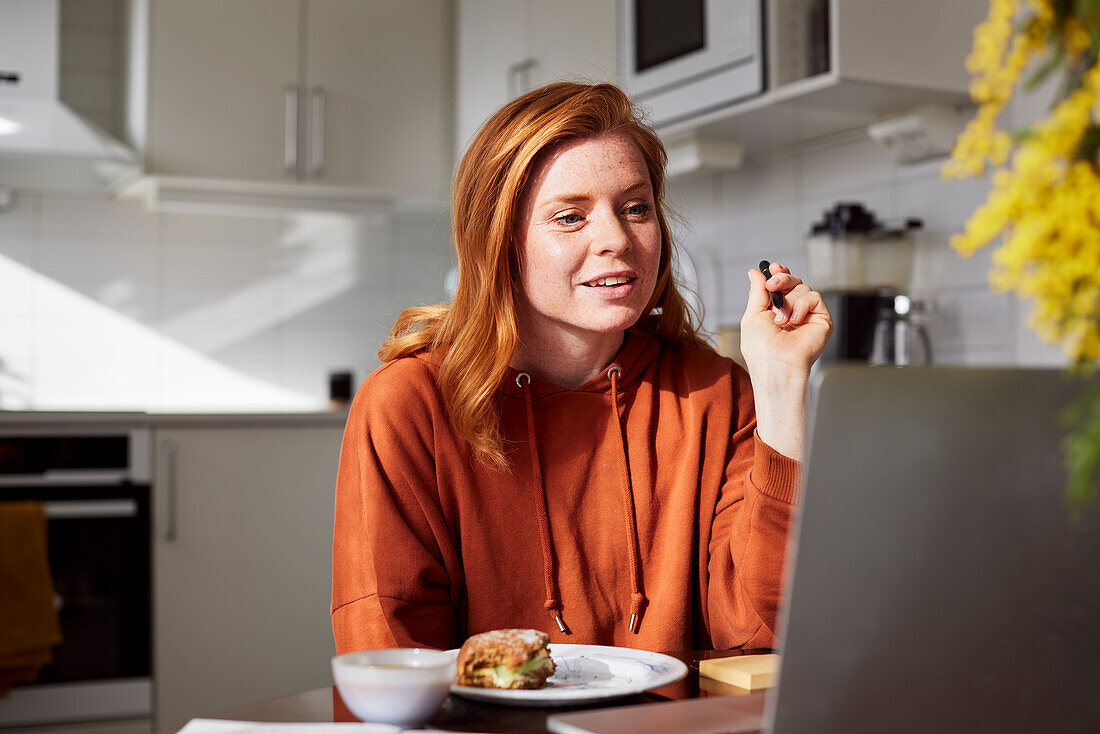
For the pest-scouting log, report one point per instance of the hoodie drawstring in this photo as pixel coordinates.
(637, 598)
(524, 381)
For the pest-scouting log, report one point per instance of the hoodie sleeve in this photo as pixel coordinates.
(749, 533)
(392, 554)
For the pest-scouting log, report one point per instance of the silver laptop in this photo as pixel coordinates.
(939, 582)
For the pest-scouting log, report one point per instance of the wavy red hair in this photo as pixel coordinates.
(477, 332)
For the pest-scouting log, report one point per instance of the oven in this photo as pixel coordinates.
(95, 485)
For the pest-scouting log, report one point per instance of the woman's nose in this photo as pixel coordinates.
(611, 237)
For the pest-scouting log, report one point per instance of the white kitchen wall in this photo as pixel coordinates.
(732, 220)
(104, 305)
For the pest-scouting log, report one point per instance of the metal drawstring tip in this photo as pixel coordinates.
(561, 624)
(633, 619)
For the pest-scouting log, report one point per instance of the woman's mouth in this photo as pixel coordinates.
(611, 287)
(611, 282)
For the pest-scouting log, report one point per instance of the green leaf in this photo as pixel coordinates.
(1081, 449)
(1087, 10)
(1039, 75)
(1090, 144)
(1021, 134)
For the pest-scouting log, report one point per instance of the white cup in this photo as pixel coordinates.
(402, 686)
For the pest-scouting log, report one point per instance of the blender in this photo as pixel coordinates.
(862, 268)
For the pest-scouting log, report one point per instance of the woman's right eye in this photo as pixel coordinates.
(570, 219)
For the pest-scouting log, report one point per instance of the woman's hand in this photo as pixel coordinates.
(779, 346)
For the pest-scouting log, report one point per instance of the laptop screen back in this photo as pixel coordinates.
(939, 581)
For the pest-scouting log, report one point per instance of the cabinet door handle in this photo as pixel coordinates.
(170, 489)
(91, 509)
(290, 141)
(317, 144)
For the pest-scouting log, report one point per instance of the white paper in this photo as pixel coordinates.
(223, 726)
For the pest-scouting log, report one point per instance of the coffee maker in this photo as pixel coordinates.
(862, 268)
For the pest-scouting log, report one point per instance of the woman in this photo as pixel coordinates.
(558, 448)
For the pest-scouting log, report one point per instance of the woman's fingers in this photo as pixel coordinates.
(803, 301)
(799, 299)
(781, 280)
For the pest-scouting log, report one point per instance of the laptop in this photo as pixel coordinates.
(939, 581)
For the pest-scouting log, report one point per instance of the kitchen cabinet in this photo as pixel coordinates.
(219, 76)
(242, 565)
(340, 93)
(506, 47)
(378, 79)
(884, 59)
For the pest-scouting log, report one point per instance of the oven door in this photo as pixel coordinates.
(99, 548)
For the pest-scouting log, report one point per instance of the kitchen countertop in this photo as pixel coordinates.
(39, 419)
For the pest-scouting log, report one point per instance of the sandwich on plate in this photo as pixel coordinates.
(515, 658)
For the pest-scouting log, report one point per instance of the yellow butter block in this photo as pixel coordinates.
(751, 672)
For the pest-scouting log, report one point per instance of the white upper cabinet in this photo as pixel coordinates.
(340, 93)
(506, 47)
(219, 76)
(378, 101)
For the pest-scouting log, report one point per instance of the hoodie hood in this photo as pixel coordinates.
(43, 143)
(639, 349)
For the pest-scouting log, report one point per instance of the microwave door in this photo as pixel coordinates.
(666, 44)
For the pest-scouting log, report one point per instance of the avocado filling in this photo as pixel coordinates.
(503, 676)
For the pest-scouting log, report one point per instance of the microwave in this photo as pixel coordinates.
(682, 58)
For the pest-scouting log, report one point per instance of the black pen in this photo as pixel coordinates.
(777, 297)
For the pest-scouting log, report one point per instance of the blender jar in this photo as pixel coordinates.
(849, 250)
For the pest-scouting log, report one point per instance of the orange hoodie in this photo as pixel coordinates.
(640, 509)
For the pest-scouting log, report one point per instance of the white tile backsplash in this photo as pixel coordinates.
(1030, 350)
(215, 230)
(18, 246)
(765, 211)
(970, 319)
(856, 164)
(943, 206)
(309, 355)
(106, 305)
(228, 265)
(89, 215)
(75, 258)
(21, 213)
(770, 184)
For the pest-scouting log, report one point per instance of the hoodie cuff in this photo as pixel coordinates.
(774, 474)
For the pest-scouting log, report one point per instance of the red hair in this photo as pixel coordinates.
(478, 329)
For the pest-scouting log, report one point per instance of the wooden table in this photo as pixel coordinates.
(459, 714)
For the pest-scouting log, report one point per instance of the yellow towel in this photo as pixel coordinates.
(28, 621)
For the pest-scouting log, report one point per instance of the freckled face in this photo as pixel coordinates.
(589, 240)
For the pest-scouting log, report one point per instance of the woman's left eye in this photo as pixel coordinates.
(637, 210)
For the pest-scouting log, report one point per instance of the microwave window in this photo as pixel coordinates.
(667, 29)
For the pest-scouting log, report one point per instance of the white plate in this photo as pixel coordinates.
(588, 673)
